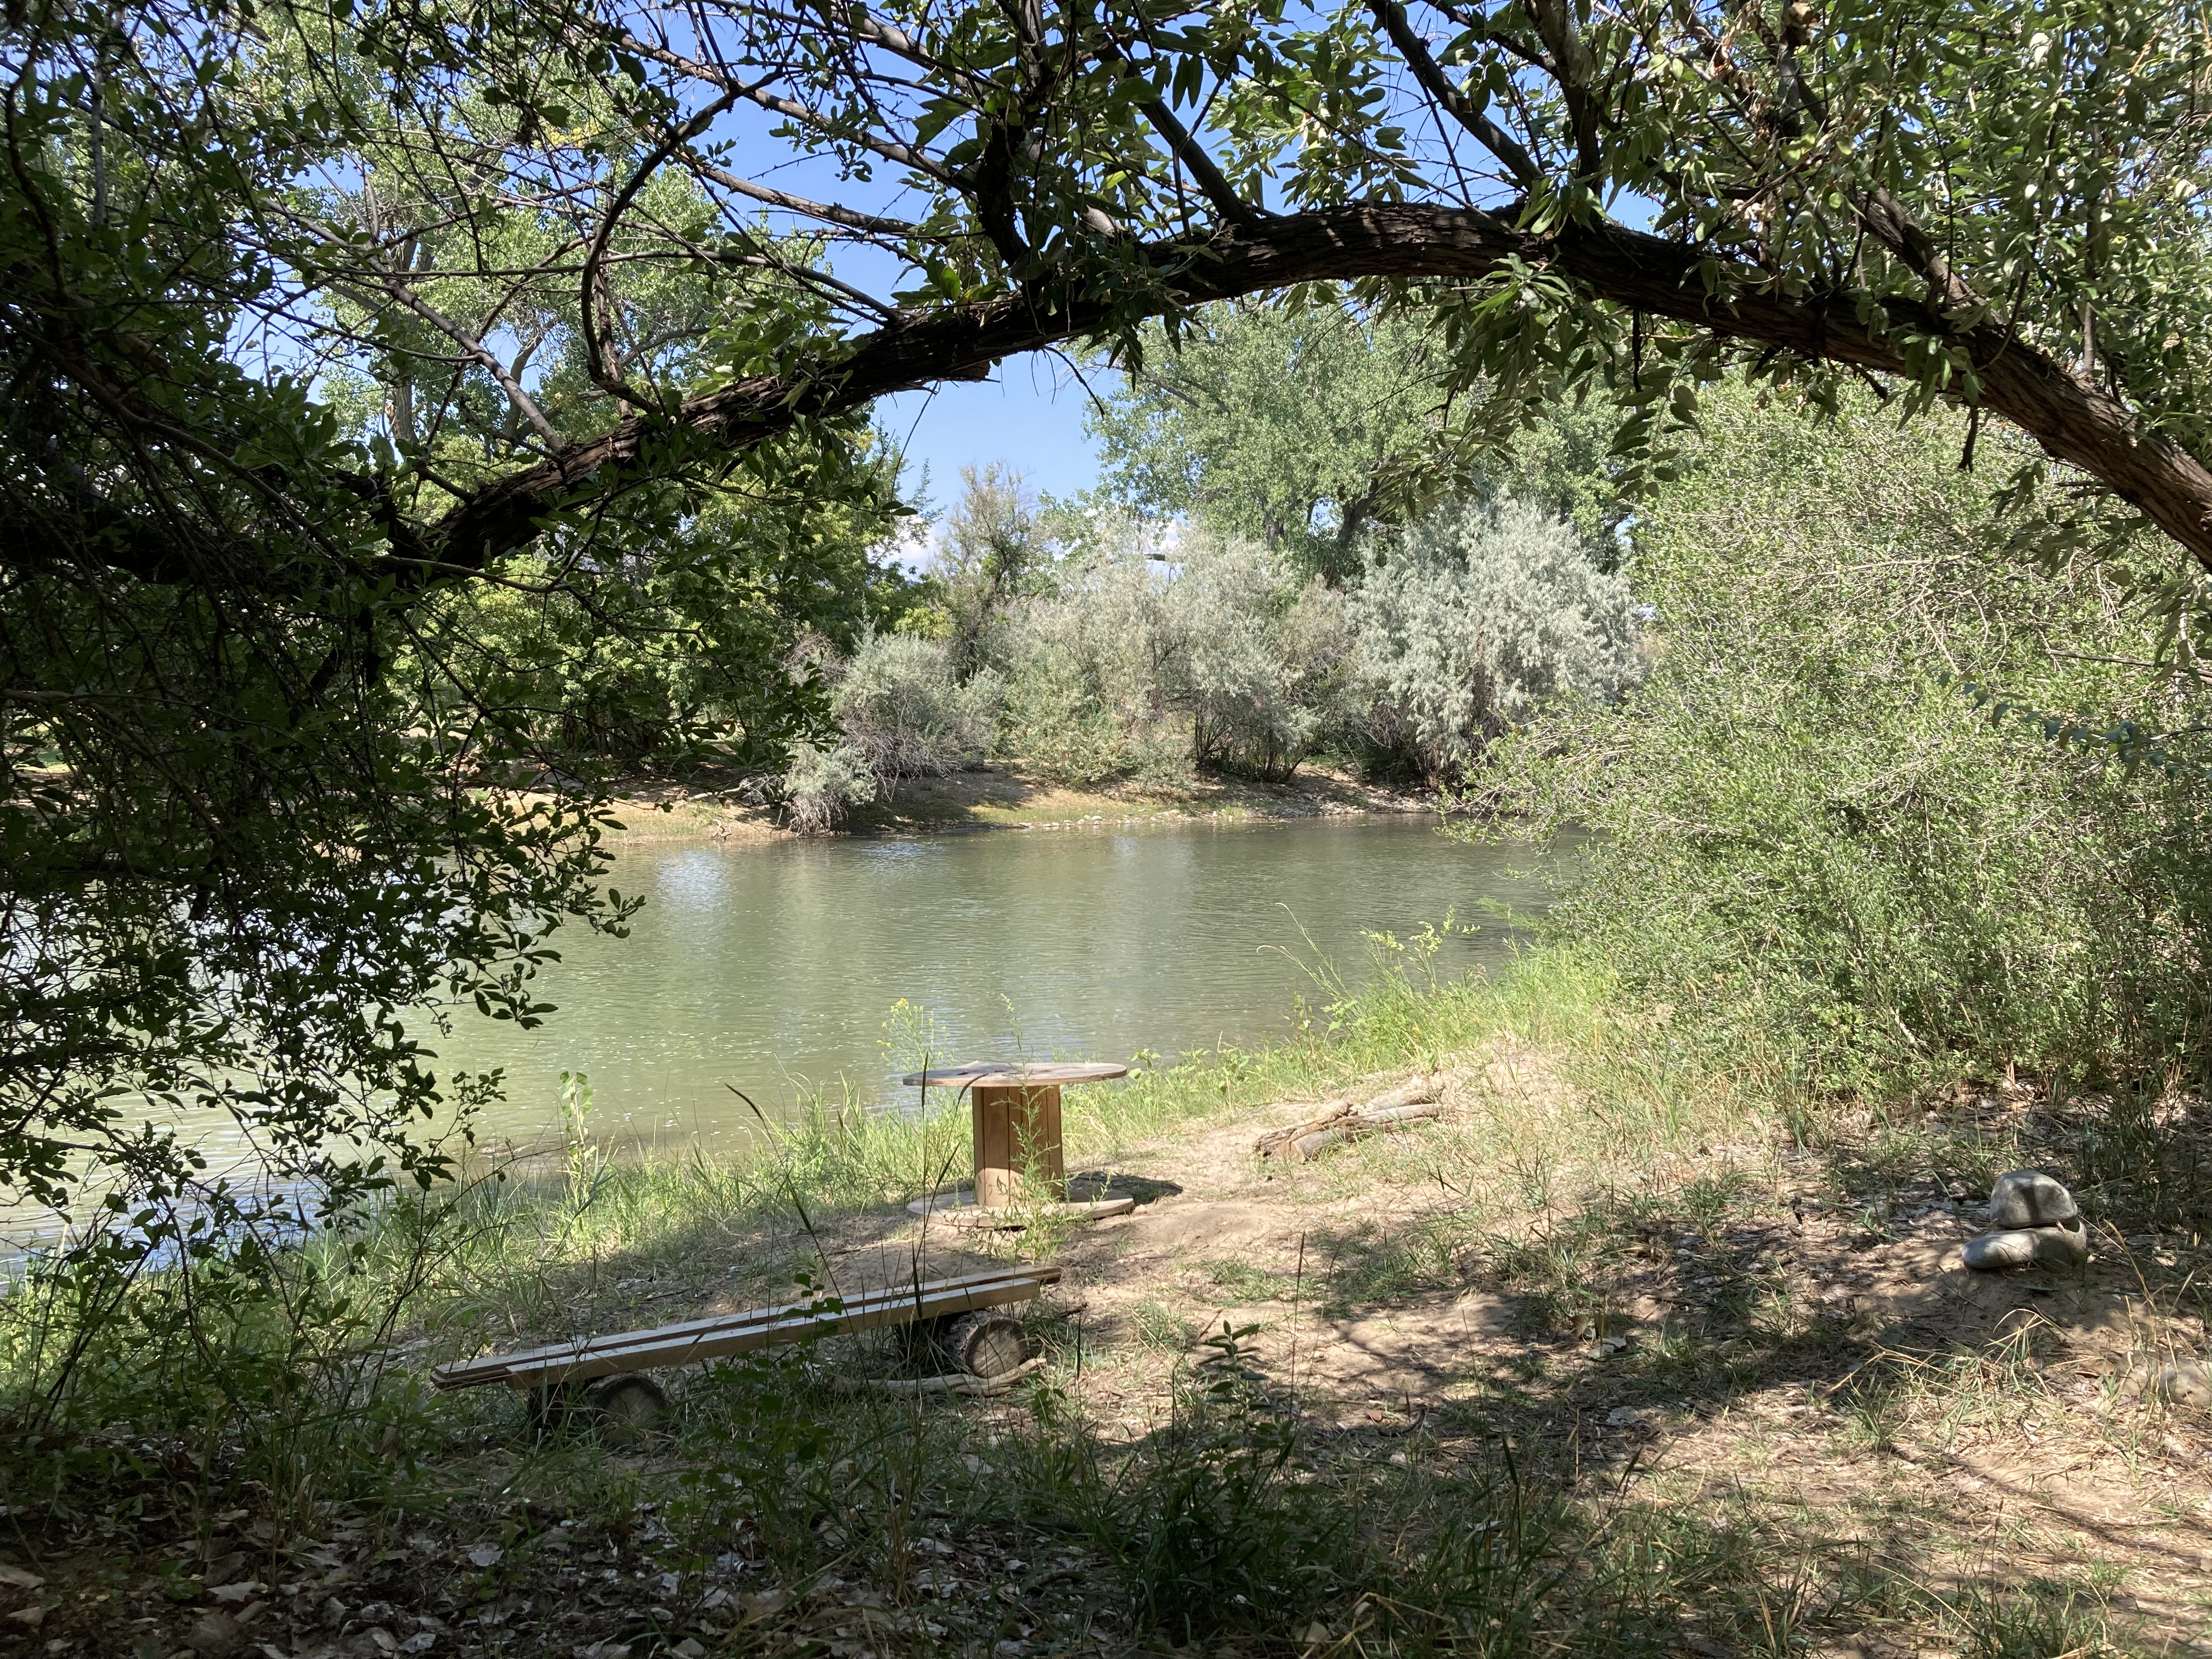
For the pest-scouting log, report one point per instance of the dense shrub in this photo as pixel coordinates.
(1094, 667)
(1269, 671)
(1473, 619)
(1142, 661)
(1806, 833)
(1100, 648)
(901, 706)
(822, 784)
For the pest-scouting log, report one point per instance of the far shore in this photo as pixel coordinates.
(999, 797)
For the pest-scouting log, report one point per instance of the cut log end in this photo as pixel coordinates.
(986, 1344)
(629, 1400)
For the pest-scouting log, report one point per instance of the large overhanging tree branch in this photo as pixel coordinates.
(2074, 420)
(1993, 205)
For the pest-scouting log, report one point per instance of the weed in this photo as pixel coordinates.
(2040, 1619)
(1161, 1330)
(1248, 1283)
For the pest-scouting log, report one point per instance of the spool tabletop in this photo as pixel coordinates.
(997, 1074)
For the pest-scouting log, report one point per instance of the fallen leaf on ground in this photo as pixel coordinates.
(214, 1635)
(762, 1604)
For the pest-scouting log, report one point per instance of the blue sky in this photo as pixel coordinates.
(1028, 416)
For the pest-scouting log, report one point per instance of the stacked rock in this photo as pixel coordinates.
(2036, 1225)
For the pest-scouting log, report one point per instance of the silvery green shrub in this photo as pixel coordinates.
(1802, 835)
(821, 784)
(1467, 622)
(1267, 657)
(906, 713)
(1095, 665)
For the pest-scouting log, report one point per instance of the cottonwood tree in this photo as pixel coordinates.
(264, 312)
(1996, 204)
(1301, 426)
(1312, 426)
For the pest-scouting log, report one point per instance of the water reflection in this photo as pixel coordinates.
(774, 966)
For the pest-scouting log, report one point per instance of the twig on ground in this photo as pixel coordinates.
(1339, 1120)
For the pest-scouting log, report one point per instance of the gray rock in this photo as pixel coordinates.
(2066, 1245)
(2029, 1198)
(2185, 1384)
(1993, 1253)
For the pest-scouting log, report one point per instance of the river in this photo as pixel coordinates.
(777, 967)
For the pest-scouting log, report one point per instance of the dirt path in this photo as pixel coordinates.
(1783, 1359)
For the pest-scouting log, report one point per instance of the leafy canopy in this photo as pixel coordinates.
(260, 318)
(1308, 425)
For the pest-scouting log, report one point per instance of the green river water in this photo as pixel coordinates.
(774, 968)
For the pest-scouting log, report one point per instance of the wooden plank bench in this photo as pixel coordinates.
(582, 1359)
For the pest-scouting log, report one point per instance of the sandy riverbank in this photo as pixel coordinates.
(998, 797)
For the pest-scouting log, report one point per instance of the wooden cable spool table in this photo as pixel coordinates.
(1016, 1113)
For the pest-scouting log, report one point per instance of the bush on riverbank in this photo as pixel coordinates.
(1806, 837)
(1125, 659)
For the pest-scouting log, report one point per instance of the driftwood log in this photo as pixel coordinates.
(1339, 1120)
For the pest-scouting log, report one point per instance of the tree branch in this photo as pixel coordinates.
(474, 349)
(1433, 80)
(607, 377)
(828, 211)
(1183, 148)
(2074, 423)
(890, 150)
(1576, 71)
